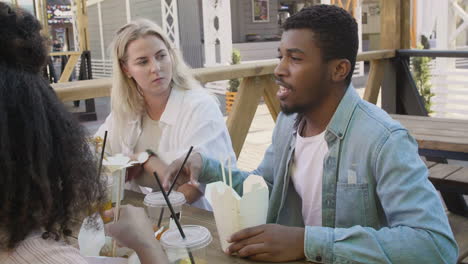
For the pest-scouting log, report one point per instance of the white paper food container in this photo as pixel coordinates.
(234, 213)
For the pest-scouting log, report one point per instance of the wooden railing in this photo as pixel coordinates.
(257, 81)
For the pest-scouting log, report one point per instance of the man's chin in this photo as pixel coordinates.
(287, 110)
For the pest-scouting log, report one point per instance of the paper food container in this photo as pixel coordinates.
(117, 167)
(234, 213)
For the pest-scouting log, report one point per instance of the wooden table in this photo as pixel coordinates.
(440, 139)
(195, 216)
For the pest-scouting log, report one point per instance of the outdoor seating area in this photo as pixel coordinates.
(447, 137)
(235, 198)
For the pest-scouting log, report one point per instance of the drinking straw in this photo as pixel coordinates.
(102, 152)
(181, 231)
(180, 169)
(230, 171)
(173, 183)
(222, 171)
(117, 211)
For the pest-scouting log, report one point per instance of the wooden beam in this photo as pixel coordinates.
(269, 95)
(243, 111)
(355, 3)
(390, 29)
(42, 17)
(405, 23)
(80, 90)
(72, 60)
(83, 89)
(228, 72)
(377, 70)
(375, 55)
(82, 21)
(66, 53)
(414, 24)
(348, 4)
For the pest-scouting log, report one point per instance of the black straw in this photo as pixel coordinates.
(180, 169)
(102, 152)
(173, 184)
(181, 231)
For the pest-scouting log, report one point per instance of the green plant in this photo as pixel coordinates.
(234, 83)
(422, 77)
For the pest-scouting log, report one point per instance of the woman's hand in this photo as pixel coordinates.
(134, 230)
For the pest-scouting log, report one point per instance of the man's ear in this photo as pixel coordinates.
(340, 69)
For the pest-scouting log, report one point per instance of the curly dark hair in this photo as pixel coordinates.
(335, 30)
(48, 174)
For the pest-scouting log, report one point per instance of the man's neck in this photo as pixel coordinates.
(316, 120)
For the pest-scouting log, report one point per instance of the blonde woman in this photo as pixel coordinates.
(157, 105)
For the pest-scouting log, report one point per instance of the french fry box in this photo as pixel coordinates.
(234, 213)
(117, 167)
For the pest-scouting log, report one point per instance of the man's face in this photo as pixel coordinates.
(301, 73)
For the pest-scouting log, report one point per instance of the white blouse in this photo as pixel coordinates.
(191, 118)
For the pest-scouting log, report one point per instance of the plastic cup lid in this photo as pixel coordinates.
(156, 199)
(196, 237)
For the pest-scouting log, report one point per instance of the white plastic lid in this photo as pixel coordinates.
(156, 199)
(196, 237)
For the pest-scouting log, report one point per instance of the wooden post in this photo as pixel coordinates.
(243, 111)
(82, 19)
(42, 16)
(405, 24)
(72, 60)
(390, 38)
(414, 23)
(377, 70)
(390, 29)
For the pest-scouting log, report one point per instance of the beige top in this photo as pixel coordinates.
(36, 250)
(150, 135)
(149, 139)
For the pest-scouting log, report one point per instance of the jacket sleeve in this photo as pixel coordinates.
(418, 230)
(211, 171)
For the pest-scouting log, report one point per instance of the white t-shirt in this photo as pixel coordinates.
(307, 175)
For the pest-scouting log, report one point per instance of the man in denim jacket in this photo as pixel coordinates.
(374, 202)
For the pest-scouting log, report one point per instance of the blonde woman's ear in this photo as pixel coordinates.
(125, 70)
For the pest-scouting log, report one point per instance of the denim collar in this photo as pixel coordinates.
(343, 113)
(342, 116)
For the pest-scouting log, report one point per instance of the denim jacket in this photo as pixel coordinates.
(378, 205)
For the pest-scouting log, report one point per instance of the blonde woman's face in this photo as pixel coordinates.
(150, 65)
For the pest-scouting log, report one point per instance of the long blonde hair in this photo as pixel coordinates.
(126, 100)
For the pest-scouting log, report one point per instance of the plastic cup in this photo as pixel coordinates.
(177, 249)
(154, 203)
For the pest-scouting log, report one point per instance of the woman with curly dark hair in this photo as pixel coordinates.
(48, 175)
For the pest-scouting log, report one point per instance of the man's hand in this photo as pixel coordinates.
(191, 193)
(190, 172)
(271, 242)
